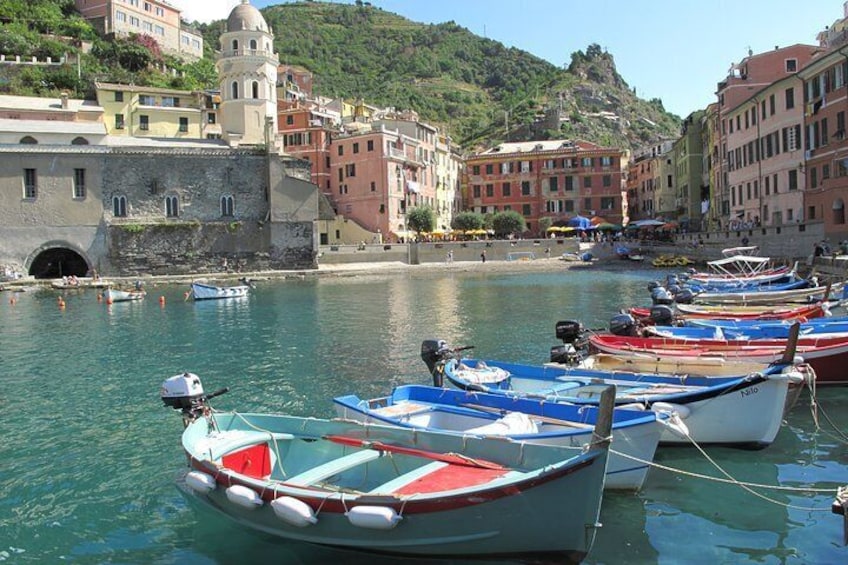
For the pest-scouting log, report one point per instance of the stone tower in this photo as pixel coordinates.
(247, 70)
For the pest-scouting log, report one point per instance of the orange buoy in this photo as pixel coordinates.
(162, 300)
(12, 300)
(109, 301)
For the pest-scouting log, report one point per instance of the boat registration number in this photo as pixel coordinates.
(749, 391)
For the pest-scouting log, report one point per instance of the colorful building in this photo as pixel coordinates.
(556, 179)
(156, 18)
(141, 111)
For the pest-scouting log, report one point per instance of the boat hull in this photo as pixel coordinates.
(546, 507)
(208, 292)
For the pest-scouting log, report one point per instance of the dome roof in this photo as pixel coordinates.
(245, 17)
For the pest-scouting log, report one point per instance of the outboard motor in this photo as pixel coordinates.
(684, 277)
(623, 324)
(662, 297)
(571, 332)
(685, 296)
(434, 353)
(674, 289)
(652, 285)
(185, 392)
(671, 279)
(662, 315)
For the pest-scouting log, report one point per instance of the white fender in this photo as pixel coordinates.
(200, 482)
(294, 511)
(792, 375)
(681, 410)
(675, 425)
(374, 517)
(632, 406)
(244, 496)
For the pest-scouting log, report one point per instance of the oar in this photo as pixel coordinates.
(546, 419)
(792, 343)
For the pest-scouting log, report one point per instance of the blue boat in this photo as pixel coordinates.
(636, 433)
(389, 489)
(716, 329)
(743, 411)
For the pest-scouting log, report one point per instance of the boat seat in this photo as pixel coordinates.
(403, 480)
(403, 408)
(232, 440)
(334, 467)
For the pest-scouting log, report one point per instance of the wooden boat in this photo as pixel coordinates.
(635, 433)
(201, 291)
(770, 297)
(390, 489)
(827, 357)
(742, 411)
(697, 366)
(111, 295)
(783, 312)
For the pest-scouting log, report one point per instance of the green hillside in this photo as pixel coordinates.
(479, 90)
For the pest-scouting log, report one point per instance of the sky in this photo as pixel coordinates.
(674, 50)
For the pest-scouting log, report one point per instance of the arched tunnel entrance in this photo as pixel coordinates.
(58, 262)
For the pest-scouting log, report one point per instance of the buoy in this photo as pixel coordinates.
(109, 301)
(12, 300)
(243, 496)
(61, 304)
(200, 482)
(99, 297)
(162, 300)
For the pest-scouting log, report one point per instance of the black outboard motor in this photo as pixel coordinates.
(685, 296)
(662, 315)
(674, 289)
(624, 325)
(671, 279)
(569, 331)
(434, 353)
(662, 296)
(652, 285)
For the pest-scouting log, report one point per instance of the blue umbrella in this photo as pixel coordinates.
(580, 222)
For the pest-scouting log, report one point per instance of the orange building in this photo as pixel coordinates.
(556, 179)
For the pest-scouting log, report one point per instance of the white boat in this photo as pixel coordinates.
(111, 295)
(201, 291)
(771, 297)
(390, 489)
(635, 433)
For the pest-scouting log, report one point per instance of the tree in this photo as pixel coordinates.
(545, 223)
(421, 218)
(507, 223)
(467, 221)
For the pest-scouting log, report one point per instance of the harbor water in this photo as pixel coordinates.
(89, 455)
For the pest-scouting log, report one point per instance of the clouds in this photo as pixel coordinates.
(204, 11)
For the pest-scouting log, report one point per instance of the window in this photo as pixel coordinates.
(569, 183)
(490, 190)
(791, 65)
(119, 96)
(159, 30)
(183, 125)
(79, 140)
(146, 100)
(144, 123)
(490, 169)
(569, 205)
(254, 90)
(476, 190)
(587, 204)
(119, 206)
(607, 203)
(793, 179)
(356, 148)
(134, 21)
(341, 174)
(771, 105)
(234, 89)
(525, 209)
(825, 171)
(228, 205)
(350, 170)
(814, 178)
(475, 170)
(79, 183)
(28, 140)
(235, 44)
(172, 206)
(253, 44)
(373, 186)
(370, 145)
(119, 121)
(553, 184)
(30, 184)
(160, 11)
(120, 16)
(790, 98)
(525, 188)
(606, 161)
(587, 182)
(170, 102)
(586, 162)
(148, 7)
(341, 150)
(147, 26)
(607, 180)
(506, 189)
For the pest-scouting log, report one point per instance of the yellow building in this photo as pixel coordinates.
(138, 111)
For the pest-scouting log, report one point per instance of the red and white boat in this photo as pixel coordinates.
(724, 312)
(826, 356)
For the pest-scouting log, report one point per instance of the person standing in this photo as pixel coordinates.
(483, 256)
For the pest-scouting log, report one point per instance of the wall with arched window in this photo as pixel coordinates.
(172, 206)
(254, 89)
(235, 44)
(119, 206)
(234, 90)
(79, 141)
(28, 140)
(253, 44)
(228, 205)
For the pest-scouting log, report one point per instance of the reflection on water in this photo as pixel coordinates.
(89, 454)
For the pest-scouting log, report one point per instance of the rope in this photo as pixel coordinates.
(816, 409)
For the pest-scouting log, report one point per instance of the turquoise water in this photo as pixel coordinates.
(88, 454)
